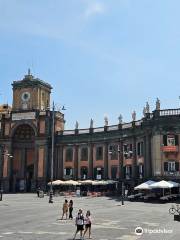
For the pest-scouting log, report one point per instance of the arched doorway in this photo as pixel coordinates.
(23, 162)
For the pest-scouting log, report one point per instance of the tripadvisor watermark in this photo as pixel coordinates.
(139, 231)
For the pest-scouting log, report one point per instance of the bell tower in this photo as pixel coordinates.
(31, 93)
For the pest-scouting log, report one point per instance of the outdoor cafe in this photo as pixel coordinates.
(84, 187)
(162, 191)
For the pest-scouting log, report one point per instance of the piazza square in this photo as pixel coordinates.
(27, 217)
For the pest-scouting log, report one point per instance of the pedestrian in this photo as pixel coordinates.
(87, 222)
(65, 209)
(79, 224)
(70, 209)
(38, 191)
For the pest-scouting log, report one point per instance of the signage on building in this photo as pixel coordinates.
(98, 177)
(23, 116)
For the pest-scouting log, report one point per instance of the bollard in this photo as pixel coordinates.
(1, 193)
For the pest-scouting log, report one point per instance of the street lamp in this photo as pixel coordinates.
(52, 157)
(121, 169)
(120, 162)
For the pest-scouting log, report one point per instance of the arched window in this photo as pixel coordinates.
(24, 132)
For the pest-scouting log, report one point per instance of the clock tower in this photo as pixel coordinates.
(26, 128)
(31, 94)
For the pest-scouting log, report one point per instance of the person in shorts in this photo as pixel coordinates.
(65, 209)
(79, 224)
(87, 222)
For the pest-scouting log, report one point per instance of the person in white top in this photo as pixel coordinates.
(87, 222)
(79, 223)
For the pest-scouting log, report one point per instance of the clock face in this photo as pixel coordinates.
(25, 96)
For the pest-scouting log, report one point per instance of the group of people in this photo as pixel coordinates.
(67, 207)
(80, 220)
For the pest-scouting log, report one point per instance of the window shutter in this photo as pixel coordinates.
(165, 166)
(176, 140)
(143, 170)
(177, 166)
(165, 140)
(130, 170)
(95, 173)
(138, 149)
(142, 148)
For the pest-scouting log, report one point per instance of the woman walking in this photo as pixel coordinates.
(87, 222)
(65, 209)
(80, 224)
(70, 209)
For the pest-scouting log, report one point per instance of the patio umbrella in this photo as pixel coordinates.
(162, 184)
(144, 186)
(102, 182)
(71, 182)
(175, 184)
(86, 182)
(56, 182)
(111, 181)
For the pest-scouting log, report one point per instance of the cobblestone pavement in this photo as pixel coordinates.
(24, 216)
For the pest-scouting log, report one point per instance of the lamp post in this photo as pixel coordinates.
(120, 162)
(52, 157)
(121, 174)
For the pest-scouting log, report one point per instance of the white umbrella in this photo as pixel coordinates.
(86, 182)
(175, 184)
(71, 182)
(56, 182)
(145, 185)
(102, 182)
(111, 181)
(162, 184)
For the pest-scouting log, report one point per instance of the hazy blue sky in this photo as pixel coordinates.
(103, 57)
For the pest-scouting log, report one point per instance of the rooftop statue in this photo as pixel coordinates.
(158, 106)
(134, 116)
(76, 125)
(105, 121)
(147, 108)
(120, 119)
(91, 123)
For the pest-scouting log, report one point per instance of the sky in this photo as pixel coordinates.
(102, 57)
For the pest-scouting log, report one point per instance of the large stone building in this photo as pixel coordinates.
(129, 152)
